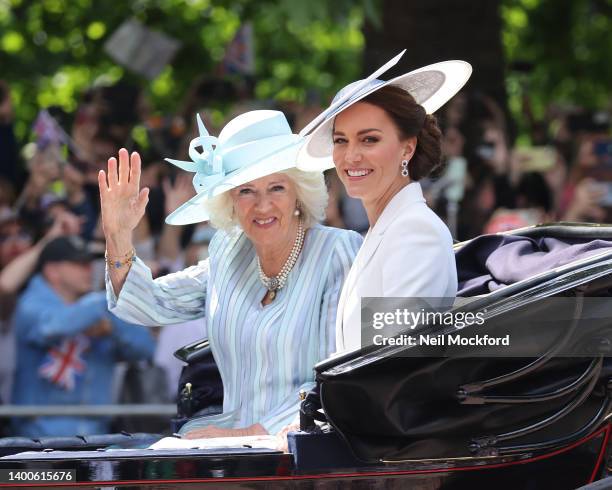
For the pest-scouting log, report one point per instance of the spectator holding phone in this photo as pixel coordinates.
(588, 195)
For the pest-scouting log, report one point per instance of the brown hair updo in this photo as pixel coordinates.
(411, 120)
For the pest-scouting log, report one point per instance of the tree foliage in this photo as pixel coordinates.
(568, 44)
(51, 50)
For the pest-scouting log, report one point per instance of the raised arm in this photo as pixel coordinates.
(123, 205)
(17, 272)
(43, 325)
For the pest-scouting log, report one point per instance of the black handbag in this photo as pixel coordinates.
(200, 390)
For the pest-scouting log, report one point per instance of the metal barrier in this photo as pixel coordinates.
(141, 409)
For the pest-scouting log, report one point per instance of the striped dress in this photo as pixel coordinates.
(265, 354)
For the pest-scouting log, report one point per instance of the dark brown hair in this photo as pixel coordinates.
(411, 119)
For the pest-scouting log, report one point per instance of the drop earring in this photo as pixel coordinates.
(297, 211)
(404, 168)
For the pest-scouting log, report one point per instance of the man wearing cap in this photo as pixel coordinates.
(68, 343)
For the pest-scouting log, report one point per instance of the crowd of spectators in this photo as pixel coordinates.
(564, 173)
(49, 221)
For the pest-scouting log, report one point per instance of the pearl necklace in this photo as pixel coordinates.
(274, 283)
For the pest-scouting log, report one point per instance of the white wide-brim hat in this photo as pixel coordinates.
(252, 145)
(431, 86)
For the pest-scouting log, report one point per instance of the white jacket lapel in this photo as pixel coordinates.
(409, 194)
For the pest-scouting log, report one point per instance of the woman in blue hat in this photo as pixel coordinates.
(382, 139)
(268, 292)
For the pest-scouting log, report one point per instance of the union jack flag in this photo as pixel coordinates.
(239, 55)
(48, 131)
(65, 362)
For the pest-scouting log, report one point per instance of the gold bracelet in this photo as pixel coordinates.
(117, 263)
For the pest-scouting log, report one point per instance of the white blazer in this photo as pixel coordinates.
(408, 253)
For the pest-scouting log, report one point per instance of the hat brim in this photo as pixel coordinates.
(352, 91)
(194, 210)
(431, 86)
(83, 258)
(79, 257)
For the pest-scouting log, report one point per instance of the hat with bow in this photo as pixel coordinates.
(250, 146)
(431, 86)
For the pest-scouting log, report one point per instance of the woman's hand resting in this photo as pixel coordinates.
(214, 431)
(254, 430)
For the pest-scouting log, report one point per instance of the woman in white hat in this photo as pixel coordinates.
(270, 288)
(383, 140)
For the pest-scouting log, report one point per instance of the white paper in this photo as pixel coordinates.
(141, 49)
(263, 441)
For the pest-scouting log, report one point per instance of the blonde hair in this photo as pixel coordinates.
(311, 193)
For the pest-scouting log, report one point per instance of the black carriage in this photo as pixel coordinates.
(421, 417)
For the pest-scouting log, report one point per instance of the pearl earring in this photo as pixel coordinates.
(404, 168)
(297, 211)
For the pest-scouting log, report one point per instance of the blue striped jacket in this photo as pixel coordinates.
(266, 353)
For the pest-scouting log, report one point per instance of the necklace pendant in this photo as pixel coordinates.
(273, 284)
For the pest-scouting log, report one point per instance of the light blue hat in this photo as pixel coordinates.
(250, 146)
(431, 86)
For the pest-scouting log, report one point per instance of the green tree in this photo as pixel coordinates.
(568, 43)
(52, 50)
(437, 30)
(555, 51)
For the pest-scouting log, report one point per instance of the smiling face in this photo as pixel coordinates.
(265, 209)
(368, 153)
